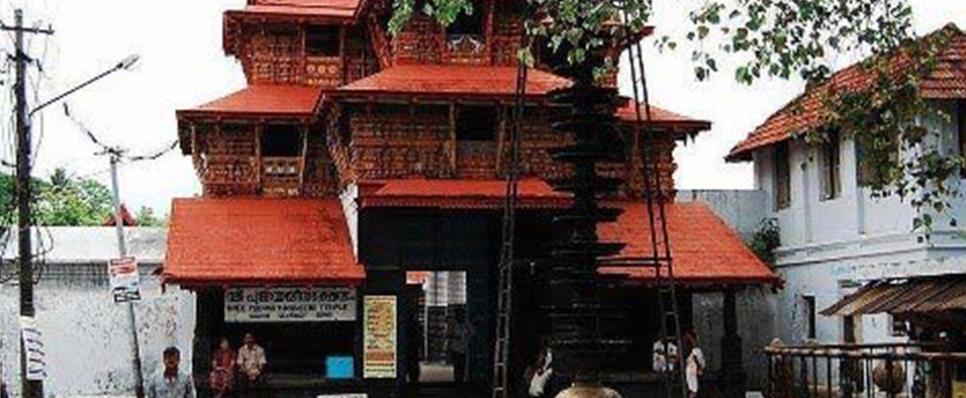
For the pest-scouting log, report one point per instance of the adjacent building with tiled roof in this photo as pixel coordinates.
(836, 236)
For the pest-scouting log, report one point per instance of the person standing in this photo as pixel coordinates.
(222, 378)
(251, 362)
(459, 344)
(170, 382)
(538, 375)
(694, 364)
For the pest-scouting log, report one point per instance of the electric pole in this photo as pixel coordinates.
(30, 388)
(122, 251)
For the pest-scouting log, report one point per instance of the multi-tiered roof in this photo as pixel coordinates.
(335, 105)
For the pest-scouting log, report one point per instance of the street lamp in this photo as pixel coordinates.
(32, 387)
(125, 64)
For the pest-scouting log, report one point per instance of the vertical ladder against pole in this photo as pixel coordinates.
(654, 198)
(501, 353)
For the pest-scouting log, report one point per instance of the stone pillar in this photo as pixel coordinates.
(732, 372)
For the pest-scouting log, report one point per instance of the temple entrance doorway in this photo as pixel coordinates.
(445, 341)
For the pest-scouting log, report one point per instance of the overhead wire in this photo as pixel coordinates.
(115, 150)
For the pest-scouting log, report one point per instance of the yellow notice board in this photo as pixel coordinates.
(379, 351)
(959, 388)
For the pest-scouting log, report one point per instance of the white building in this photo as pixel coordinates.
(834, 235)
(86, 334)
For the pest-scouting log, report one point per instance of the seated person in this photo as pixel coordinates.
(251, 362)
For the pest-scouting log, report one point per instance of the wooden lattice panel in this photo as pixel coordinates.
(465, 50)
(273, 58)
(420, 42)
(476, 160)
(505, 42)
(323, 71)
(321, 175)
(399, 145)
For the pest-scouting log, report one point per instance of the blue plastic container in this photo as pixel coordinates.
(339, 367)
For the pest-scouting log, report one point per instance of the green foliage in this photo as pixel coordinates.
(66, 201)
(62, 200)
(766, 240)
(146, 218)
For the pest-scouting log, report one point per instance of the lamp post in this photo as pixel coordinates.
(34, 388)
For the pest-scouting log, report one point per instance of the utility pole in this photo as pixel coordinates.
(30, 388)
(122, 252)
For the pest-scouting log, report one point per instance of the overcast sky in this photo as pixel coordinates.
(183, 65)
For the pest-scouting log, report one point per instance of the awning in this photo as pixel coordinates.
(259, 241)
(916, 295)
(461, 194)
(704, 250)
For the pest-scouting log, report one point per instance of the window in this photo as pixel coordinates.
(868, 174)
(898, 327)
(468, 23)
(476, 123)
(831, 176)
(281, 141)
(783, 178)
(322, 41)
(809, 304)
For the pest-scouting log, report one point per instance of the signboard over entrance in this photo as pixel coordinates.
(290, 304)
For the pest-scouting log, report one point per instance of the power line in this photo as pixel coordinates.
(117, 151)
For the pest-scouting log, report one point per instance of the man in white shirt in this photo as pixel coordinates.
(169, 382)
(251, 361)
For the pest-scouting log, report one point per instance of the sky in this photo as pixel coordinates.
(183, 65)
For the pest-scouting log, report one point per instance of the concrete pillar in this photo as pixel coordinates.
(732, 372)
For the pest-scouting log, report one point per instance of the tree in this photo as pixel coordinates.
(62, 200)
(66, 201)
(776, 39)
(146, 218)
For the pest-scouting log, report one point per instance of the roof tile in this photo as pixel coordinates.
(442, 80)
(947, 81)
(703, 248)
(261, 100)
(259, 241)
(461, 194)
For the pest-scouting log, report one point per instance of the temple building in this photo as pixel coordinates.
(357, 166)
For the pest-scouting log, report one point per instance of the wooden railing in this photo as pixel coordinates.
(281, 176)
(870, 370)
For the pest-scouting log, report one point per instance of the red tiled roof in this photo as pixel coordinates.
(446, 80)
(946, 81)
(127, 219)
(703, 248)
(259, 241)
(662, 118)
(261, 101)
(334, 9)
(462, 194)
